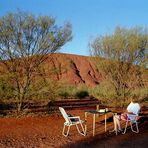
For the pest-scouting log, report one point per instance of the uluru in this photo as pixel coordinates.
(75, 69)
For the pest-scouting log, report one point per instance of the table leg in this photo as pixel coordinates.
(97, 108)
(94, 124)
(105, 123)
(85, 122)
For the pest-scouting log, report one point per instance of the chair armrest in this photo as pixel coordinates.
(74, 117)
(132, 115)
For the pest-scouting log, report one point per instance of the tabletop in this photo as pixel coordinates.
(97, 111)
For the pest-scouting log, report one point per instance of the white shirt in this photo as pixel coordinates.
(134, 108)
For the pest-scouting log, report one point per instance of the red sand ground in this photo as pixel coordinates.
(46, 132)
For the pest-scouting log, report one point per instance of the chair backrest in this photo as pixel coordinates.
(134, 107)
(63, 112)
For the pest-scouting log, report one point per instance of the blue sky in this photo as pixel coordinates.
(89, 18)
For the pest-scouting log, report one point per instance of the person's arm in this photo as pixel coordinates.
(129, 112)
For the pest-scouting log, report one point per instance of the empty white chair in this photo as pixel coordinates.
(69, 121)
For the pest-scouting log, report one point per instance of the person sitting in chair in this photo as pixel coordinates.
(132, 109)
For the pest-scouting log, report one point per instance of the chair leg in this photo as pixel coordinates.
(125, 127)
(137, 130)
(137, 127)
(131, 124)
(82, 129)
(78, 128)
(84, 133)
(64, 131)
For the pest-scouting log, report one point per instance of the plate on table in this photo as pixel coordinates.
(101, 110)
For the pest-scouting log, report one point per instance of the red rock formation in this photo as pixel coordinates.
(75, 69)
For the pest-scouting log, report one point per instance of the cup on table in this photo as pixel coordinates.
(106, 109)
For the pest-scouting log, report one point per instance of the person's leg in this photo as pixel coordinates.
(115, 125)
(117, 122)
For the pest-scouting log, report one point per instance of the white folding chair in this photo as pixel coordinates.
(69, 121)
(131, 119)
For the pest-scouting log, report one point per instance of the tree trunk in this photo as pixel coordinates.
(19, 104)
(19, 107)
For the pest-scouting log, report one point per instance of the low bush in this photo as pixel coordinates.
(82, 94)
(106, 93)
(54, 90)
(6, 90)
(140, 94)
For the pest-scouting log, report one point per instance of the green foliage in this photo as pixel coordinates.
(6, 90)
(25, 42)
(46, 90)
(140, 94)
(104, 90)
(54, 90)
(124, 45)
(82, 94)
(66, 91)
(106, 93)
(121, 51)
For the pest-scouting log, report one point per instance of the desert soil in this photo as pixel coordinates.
(45, 131)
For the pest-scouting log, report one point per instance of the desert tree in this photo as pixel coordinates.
(26, 41)
(123, 54)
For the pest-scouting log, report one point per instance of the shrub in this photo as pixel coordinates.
(6, 90)
(106, 93)
(82, 94)
(140, 94)
(64, 94)
(66, 90)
